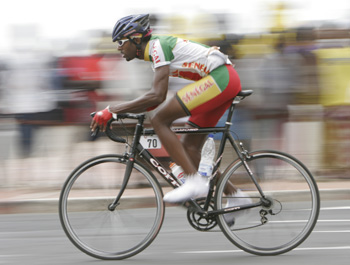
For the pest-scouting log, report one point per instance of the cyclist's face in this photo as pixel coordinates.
(128, 50)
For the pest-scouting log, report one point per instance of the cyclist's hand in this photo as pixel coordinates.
(100, 120)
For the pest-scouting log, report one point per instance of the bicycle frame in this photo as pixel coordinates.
(137, 148)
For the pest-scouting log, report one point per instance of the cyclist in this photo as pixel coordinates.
(205, 100)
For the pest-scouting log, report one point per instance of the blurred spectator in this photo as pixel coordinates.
(280, 75)
(28, 94)
(225, 45)
(79, 78)
(279, 79)
(2, 80)
(305, 46)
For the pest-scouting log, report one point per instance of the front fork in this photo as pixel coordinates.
(129, 166)
(130, 160)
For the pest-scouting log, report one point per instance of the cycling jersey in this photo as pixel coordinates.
(187, 59)
(217, 83)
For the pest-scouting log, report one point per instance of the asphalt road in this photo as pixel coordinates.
(38, 239)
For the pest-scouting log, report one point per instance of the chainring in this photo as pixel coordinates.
(198, 221)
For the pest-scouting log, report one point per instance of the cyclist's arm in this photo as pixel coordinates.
(152, 98)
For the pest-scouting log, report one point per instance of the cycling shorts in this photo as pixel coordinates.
(207, 99)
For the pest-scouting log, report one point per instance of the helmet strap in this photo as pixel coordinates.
(138, 47)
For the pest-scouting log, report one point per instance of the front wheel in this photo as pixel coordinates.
(95, 228)
(290, 205)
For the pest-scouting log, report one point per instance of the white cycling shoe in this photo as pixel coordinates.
(195, 186)
(240, 198)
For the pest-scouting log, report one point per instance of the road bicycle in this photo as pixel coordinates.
(106, 216)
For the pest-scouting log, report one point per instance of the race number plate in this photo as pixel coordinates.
(151, 142)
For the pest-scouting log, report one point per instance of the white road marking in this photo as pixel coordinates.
(336, 208)
(304, 221)
(235, 251)
(326, 248)
(340, 231)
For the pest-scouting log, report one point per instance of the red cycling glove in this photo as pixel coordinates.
(102, 117)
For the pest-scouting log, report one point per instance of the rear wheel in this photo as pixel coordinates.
(100, 231)
(289, 209)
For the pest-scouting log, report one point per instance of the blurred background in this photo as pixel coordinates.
(58, 64)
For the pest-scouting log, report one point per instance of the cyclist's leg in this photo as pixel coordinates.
(193, 145)
(195, 184)
(161, 123)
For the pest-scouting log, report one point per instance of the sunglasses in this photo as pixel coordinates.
(121, 42)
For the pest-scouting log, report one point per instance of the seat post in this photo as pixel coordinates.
(230, 114)
(240, 96)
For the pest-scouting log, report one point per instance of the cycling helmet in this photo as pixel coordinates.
(136, 26)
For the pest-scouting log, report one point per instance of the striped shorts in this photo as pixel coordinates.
(207, 99)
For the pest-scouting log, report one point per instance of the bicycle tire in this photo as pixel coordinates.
(295, 198)
(98, 231)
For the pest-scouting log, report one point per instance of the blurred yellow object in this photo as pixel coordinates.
(278, 17)
(334, 68)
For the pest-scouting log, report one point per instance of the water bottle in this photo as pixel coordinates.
(207, 157)
(177, 171)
